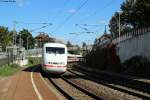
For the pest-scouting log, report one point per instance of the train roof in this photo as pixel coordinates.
(54, 45)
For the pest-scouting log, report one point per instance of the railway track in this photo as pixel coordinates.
(71, 90)
(106, 82)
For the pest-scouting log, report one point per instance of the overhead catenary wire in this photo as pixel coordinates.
(95, 13)
(44, 25)
(7, 0)
(86, 27)
(81, 32)
(108, 4)
(21, 22)
(70, 16)
(39, 28)
(81, 27)
(60, 11)
(89, 28)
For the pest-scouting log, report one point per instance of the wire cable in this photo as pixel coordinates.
(60, 11)
(7, 1)
(39, 28)
(20, 22)
(69, 17)
(95, 13)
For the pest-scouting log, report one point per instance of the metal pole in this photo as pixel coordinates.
(14, 33)
(27, 44)
(20, 41)
(40, 42)
(119, 26)
(14, 40)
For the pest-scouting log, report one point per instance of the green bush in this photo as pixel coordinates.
(14, 65)
(137, 65)
(30, 61)
(34, 60)
(107, 59)
(104, 59)
(77, 52)
(8, 70)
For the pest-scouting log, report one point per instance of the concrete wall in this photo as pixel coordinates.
(130, 46)
(3, 55)
(34, 52)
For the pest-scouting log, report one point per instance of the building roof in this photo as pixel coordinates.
(44, 37)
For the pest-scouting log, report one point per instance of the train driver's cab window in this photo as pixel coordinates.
(55, 50)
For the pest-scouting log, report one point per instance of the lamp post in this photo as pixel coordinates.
(27, 42)
(20, 41)
(119, 25)
(14, 33)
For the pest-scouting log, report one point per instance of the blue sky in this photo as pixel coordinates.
(94, 12)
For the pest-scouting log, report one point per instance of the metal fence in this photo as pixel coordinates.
(131, 35)
(34, 52)
(3, 58)
(133, 43)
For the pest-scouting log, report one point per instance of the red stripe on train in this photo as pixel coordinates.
(45, 65)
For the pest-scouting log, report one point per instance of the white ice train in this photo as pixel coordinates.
(54, 58)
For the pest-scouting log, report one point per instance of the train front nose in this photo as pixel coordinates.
(54, 68)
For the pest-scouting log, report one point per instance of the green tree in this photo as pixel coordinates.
(84, 45)
(135, 14)
(5, 37)
(114, 25)
(69, 44)
(24, 34)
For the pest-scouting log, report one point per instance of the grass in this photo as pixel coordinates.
(11, 69)
(8, 70)
(34, 61)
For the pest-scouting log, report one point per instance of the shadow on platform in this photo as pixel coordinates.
(34, 68)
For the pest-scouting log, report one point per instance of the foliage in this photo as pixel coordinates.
(69, 44)
(24, 34)
(77, 52)
(5, 37)
(107, 59)
(104, 59)
(140, 8)
(30, 61)
(14, 65)
(8, 70)
(84, 45)
(34, 60)
(137, 65)
(134, 14)
(114, 25)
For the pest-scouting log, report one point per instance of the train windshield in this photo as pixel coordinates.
(55, 50)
